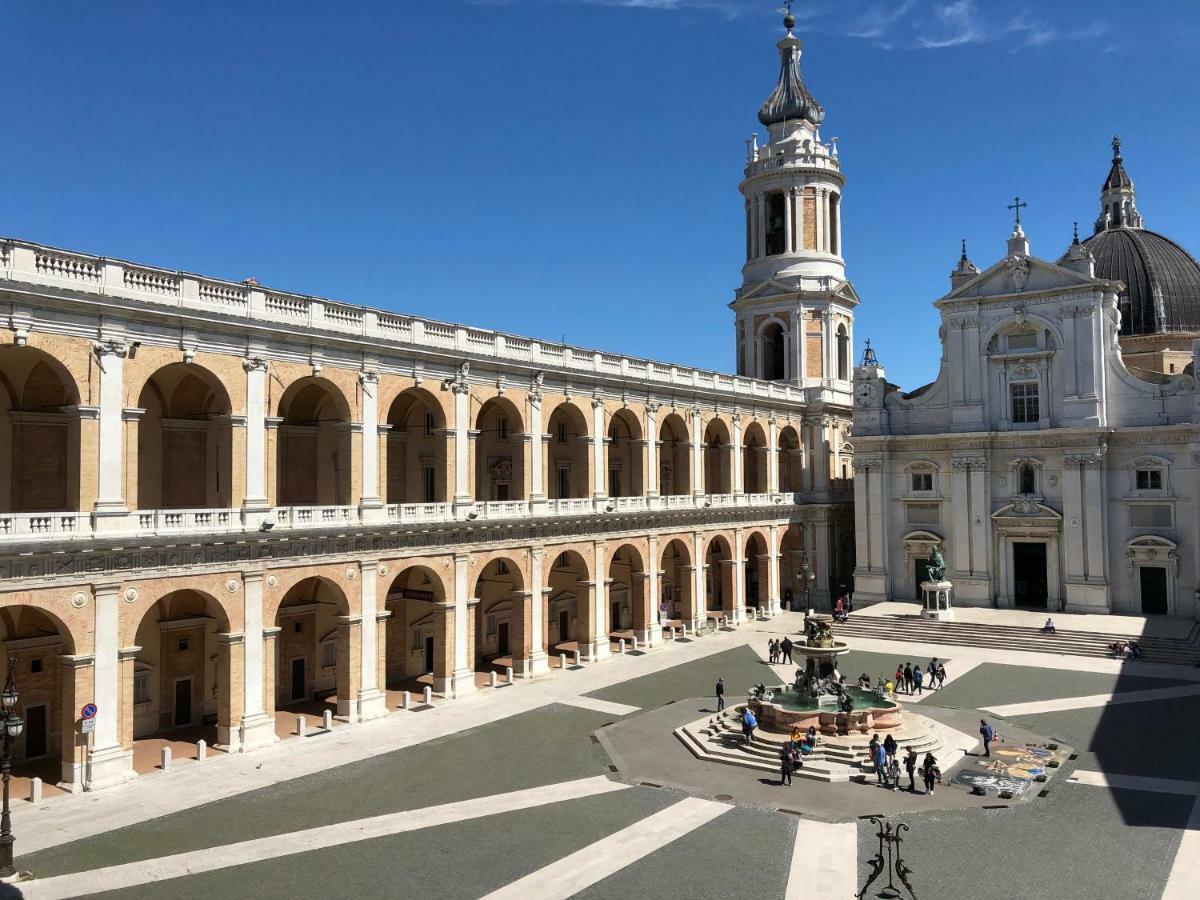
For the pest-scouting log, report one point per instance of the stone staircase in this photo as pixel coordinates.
(914, 629)
(836, 759)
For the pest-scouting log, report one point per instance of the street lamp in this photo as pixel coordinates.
(13, 726)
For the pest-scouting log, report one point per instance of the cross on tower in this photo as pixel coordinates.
(1017, 205)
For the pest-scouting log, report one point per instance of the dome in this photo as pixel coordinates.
(790, 99)
(1162, 280)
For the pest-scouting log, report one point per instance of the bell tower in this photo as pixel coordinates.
(794, 310)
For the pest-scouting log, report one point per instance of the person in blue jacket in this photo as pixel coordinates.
(988, 734)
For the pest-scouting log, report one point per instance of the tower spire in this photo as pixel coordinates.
(1118, 201)
(790, 99)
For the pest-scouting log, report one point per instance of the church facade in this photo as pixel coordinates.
(224, 505)
(1056, 457)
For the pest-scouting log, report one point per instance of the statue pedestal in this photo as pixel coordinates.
(936, 597)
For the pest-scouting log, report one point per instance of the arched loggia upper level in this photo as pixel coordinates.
(415, 460)
(313, 456)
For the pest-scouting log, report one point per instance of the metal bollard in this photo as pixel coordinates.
(672, 632)
(405, 700)
(577, 663)
(327, 720)
(301, 725)
(35, 790)
(635, 650)
(492, 678)
(428, 695)
(201, 750)
(562, 661)
(621, 645)
(508, 675)
(164, 761)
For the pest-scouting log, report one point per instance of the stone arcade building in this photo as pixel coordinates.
(1057, 475)
(219, 501)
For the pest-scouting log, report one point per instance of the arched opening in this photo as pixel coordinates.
(500, 619)
(676, 605)
(794, 569)
(756, 572)
(718, 578)
(843, 353)
(716, 458)
(499, 452)
(567, 454)
(181, 690)
(1028, 479)
(418, 652)
(570, 613)
(754, 459)
(37, 642)
(623, 451)
(629, 614)
(39, 433)
(774, 352)
(184, 441)
(416, 449)
(312, 658)
(674, 459)
(791, 461)
(314, 459)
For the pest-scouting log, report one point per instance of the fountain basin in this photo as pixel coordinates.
(787, 711)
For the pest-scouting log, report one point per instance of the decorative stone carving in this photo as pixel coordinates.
(1018, 272)
(272, 581)
(131, 595)
(79, 600)
(382, 569)
(351, 573)
(231, 585)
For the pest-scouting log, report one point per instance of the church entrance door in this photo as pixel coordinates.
(921, 571)
(1029, 575)
(1154, 590)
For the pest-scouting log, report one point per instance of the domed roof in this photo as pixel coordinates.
(1162, 280)
(790, 99)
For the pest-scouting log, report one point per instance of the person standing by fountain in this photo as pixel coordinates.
(908, 678)
(720, 691)
(786, 648)
(749, 723)
(910, 766)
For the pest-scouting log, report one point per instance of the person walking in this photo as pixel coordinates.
(918, 677)
(932, 673)
(749, 723)
(890, 746)
(785, 763)
(930, 773)
(720, 694)
(908, 677)
(988, 734)
(941, 675)
(894, 773)
(910, 766)
(772, 652)
(786, 647)
(899, 676)
(880, 760)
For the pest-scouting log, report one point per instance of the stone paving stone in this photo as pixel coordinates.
(991, 684)
(544, 746)
(740, 668)
(1076, 844)
(742, 853)
(465, 860)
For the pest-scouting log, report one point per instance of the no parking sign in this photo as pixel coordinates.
(89, 710)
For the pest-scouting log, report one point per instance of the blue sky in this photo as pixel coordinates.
(570, 167)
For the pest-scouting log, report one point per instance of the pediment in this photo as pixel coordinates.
(773, 288)
(1020, 275)
(1027, 508)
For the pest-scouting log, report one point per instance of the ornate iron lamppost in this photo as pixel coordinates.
(13, 725)
(888, 859)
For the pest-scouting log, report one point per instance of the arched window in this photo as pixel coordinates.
(1027, 480)
(843, 353)
(774, 366)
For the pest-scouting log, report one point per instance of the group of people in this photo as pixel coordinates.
(1125, 650)
(793, 751)
(913, 679)
(780, 651)
(884, 756)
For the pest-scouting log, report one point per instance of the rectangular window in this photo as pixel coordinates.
(562, 432)
(430, 483)
(329, 654)
(1150, 515)
(141, 687)
(922, 481)
(1024, 402)
(35, 666)
(1022, 342)
(429, 423)
(924, 513)
(502, 428)
(417, 643)
(614, 482)
(776, 227)
(491, 626)
(1149, 480)
(183, 644)
(564, 483)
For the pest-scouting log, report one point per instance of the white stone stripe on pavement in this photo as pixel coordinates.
(1136, 783)
(1094, 700)
(954, 671)
(1185, 868)
(604, 706)
(583, 868)
(824, 862)
(113, 878)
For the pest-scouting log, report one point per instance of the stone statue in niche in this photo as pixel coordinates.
(937, 564)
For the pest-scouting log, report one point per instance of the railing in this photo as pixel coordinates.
(33, 263)
(17, 528)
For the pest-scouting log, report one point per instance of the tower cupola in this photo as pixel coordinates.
(790, 99)
(1118, 202)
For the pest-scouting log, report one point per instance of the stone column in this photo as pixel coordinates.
(110, 510)
(537, 448)
(78, 678)
(255, 504)
(109, 762)
(697, 454)
(961, 508)
(653, 593)
(739, 473)
(371, 504)
(820, 559)
(372, 701)
(739, 576)
(819, 218)
(538, 662)
(762, 225)
(463, 680)
(462, 444)
(772, 456)
(349, 656)
(231, 664)
(774, 591)
(652, 465)
(1074, 524)
(699, 588)
(270, 673)
(599, 469)
(258, 728)
(597, 638)
(799, 355)
(789, 200)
